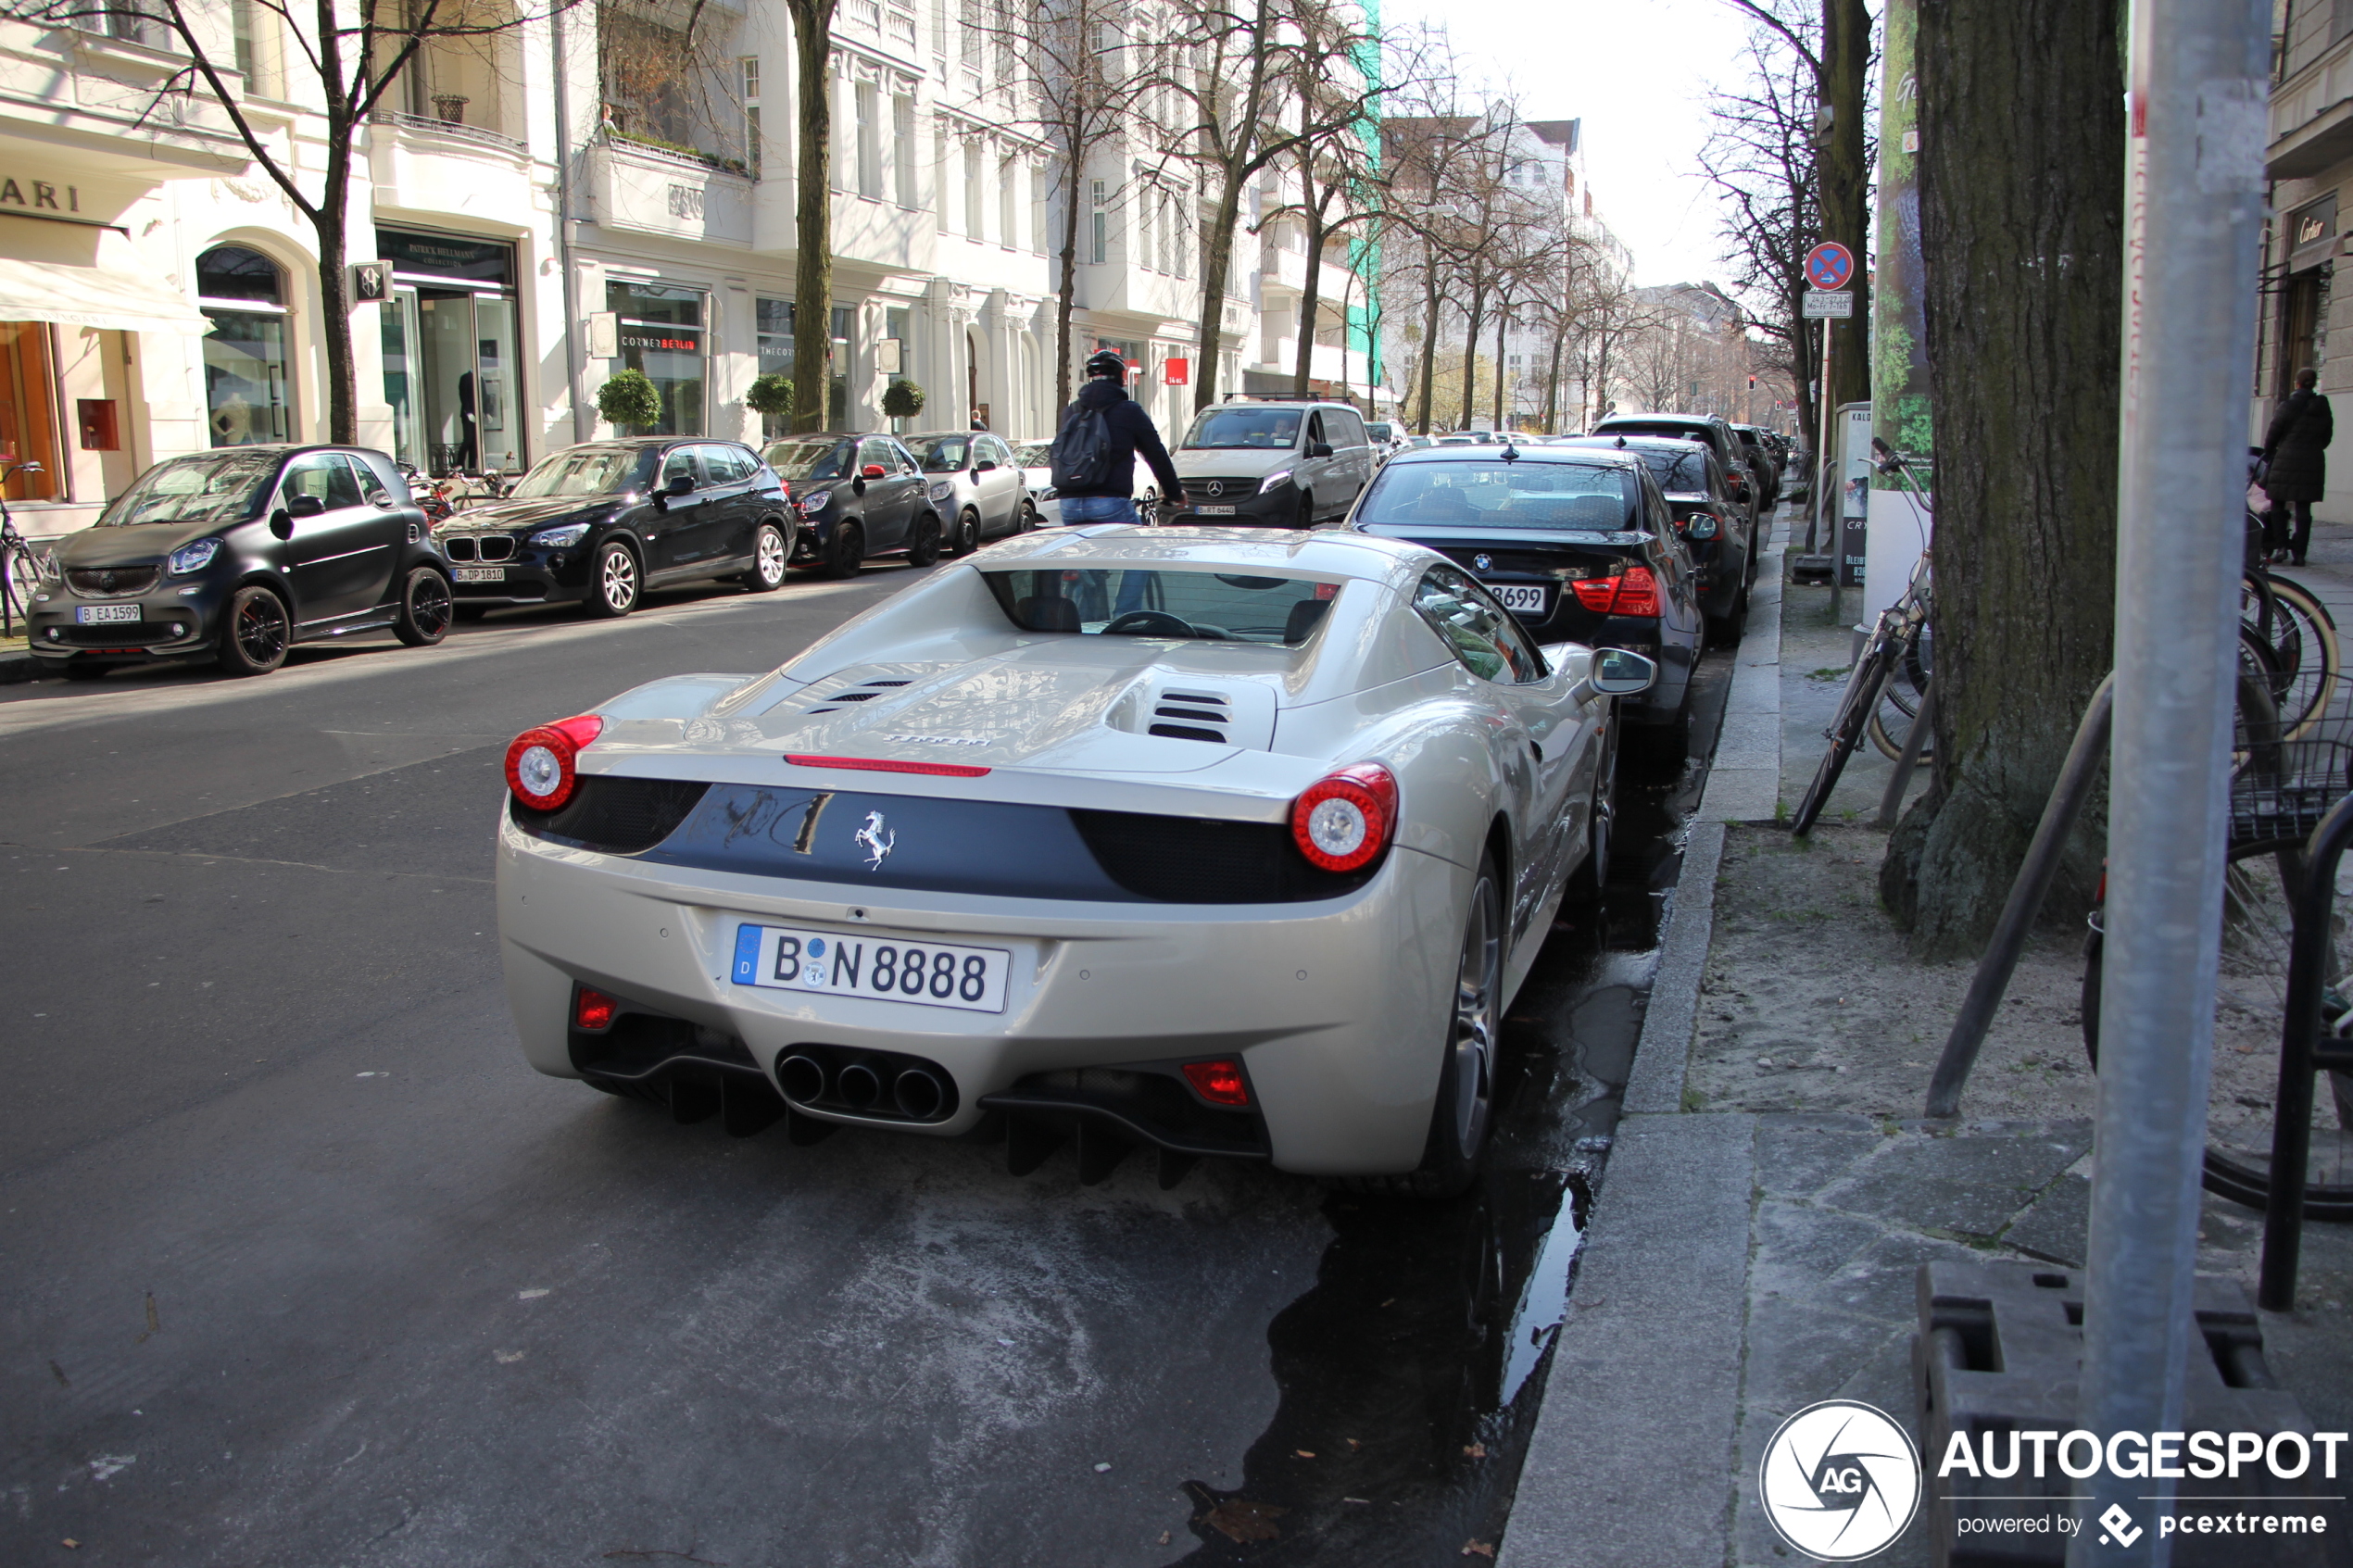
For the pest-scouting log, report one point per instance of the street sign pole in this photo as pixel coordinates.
(1826, 494)
(2194, 212)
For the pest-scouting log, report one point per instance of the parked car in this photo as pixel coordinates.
(1762, 461)
(1289, 464)
(1037, 460)
(1386, 439)
(1017, 851)
(242, 553)
(1579, 543)
(599, 524)
(975, 484)
(862, 494)
(1717, 531)
(1748, 484)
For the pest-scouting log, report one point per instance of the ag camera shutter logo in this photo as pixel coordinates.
(1839, 1481)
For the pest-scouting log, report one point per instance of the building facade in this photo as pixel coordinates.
(559, 200)
(2311, 160)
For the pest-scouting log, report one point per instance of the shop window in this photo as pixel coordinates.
(2304, 325)
(662, 334)
(774, 318)
(28, 412)
(249, 395)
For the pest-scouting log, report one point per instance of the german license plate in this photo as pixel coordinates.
(479, 573)
(1214, 511)
(1521, 598)
(935, 974)
(99, 615)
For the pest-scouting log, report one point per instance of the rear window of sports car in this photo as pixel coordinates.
(1484, 491)
(1139, 602)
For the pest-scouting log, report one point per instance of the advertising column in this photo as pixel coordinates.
(1900, 520)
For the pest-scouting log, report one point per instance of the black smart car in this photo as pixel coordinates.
(862, 494)
(242, 553)
(1714, 528)
(602, 523)
(1580, 544)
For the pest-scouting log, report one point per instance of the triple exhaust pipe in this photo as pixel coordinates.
(917, 1092)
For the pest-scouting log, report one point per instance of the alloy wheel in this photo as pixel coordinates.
(1477, 985)
(261, 629)
(771, 560)
(430, 609)
(617, 579)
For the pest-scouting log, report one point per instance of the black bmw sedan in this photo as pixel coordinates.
(1578, 544)
(602, 523)
(1716, 529)
(241, 554)
(862, 494)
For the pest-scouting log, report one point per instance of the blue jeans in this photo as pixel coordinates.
(1080, 509)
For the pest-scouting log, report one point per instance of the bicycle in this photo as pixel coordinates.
(20, 570)
(2300, 630)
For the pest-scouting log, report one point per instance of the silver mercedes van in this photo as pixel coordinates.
(1278, 463)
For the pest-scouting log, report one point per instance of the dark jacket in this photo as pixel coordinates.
(1131, 432)
(2299, 432)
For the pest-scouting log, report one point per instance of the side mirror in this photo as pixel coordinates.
(1320, 449)
(680, 484)
(987, 465)
(305, 506)
(281, 524)
(1617, 672)
(872, 470)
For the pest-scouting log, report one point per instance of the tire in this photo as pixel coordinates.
(1148, 509)
(1845, 733)
(614, 582)
(1027, 521)
(256, 632)
(1591, 880)
(426, 609)
(770, 551)
(845, 553)
(924, 551)
(1462, 1115)
(967, 538)
(2248, 1019)
(1306, 511)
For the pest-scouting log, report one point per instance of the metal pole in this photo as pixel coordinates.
(2194, 210)
(1899, 778)
(1822, 458)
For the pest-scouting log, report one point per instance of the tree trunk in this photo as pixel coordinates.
(1066, 292)
(1846, 183)
(1503, 326)
(1470, 355)
(1429, 340)
(812, 337)
(1311, 299)
(1553, 386)
(1216, 262)
(2023, 276)
(335, 307)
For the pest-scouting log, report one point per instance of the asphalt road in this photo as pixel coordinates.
(301, 1265)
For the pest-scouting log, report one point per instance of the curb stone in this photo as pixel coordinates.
(18, 668)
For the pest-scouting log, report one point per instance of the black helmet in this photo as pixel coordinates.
(1107, 363)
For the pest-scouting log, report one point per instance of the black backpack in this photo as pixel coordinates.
(1082, 454)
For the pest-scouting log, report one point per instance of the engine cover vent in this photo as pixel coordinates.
(1183, 715)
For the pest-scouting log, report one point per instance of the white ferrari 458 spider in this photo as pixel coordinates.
(1215, 842)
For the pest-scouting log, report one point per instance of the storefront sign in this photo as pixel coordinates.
(40, 195)
(447, 255)
(648, 340)
(1177, 372)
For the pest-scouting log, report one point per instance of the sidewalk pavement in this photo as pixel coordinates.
(1741, 1266)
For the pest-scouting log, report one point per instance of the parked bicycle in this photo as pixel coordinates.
(20, 566)
(2301, 634)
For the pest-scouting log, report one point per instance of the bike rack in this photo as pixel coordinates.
(2302, 1057)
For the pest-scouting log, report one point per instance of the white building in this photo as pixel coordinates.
(556, 202)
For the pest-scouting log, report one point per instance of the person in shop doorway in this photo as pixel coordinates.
(2297, 471)
(466, 450)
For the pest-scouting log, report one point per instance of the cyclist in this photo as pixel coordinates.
(1132, 434)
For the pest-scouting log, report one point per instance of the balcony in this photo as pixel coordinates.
(426, 164)
(2312, 117)
(683, 196)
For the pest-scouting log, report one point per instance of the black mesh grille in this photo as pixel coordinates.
(617, 815)
(118, 634)
(113, 582)
(1202, 860)
(459, 548)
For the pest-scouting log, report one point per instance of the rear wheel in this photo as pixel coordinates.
(967, 538)
(1462, 1112)
(926, 548)
(845, 552)
(770, 550)
(1306, 510)
(256, 632)
(425, 608)
(1028, 518)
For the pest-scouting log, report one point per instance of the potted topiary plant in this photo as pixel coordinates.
(771, 398)
(902, 399)
(629, 399)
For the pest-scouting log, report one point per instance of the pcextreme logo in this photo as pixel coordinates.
(1840, 1480)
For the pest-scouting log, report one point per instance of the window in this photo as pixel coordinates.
(1224, 606)
(325, 477)
(897, 329)
(1101, 226)
(27, 407)
(1165, 217)
(1144, 258)
(680, 464)
(1002, 17)
(1041, 181)
(975, 201)
(940, 177)
(969, 23)
(252, 29)
(902, 150)
(1481, 633)
(939, 29)
(747, 82)
(1008, 204)
(661, 335)
(868, 98)
(249, 395)
(773, 319)
(1184, 242)
(135, 22)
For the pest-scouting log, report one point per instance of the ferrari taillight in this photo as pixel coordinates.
(1342, 822)
(539, 762)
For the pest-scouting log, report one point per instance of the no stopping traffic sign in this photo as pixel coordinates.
(1829, 265)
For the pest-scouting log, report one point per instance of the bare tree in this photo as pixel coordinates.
(812, 30)
(349, 60)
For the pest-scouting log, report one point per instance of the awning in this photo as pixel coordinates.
(84, 296)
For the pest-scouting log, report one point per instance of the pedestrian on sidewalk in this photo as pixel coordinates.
(1096, 446)
(2297, 474)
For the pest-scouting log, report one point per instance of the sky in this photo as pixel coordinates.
(1637, 72)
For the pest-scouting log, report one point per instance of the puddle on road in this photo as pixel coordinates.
(1412, 1372)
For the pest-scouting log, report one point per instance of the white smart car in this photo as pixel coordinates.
(1211, 841)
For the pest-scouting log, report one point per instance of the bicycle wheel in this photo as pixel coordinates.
(19, 574)
(1899, 704)
(2250, 1006)
(1845, 732)
(2302, 636)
